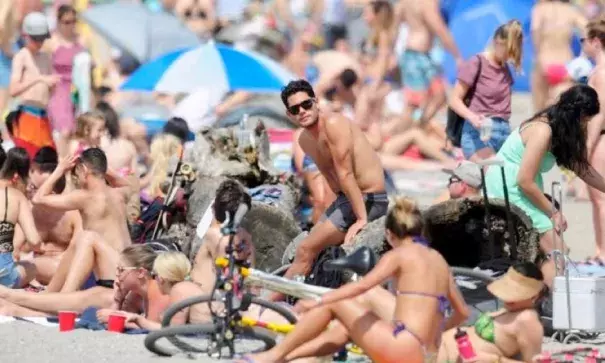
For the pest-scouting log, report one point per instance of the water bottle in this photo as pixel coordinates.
(486, 129)
(465, 348)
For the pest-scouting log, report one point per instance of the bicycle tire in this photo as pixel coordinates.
(207, 328)
(204, 299)
(175, 308)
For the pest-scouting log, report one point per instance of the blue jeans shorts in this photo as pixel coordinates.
(9, 275)
(471, 139)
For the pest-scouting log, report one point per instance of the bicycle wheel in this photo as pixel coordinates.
(205, 299)
(260, 334)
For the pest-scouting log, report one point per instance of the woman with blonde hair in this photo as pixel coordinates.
(488, 73)
(424, 293)
(164, 147)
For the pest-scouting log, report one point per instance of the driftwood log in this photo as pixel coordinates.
(457, 229)
(218, 154)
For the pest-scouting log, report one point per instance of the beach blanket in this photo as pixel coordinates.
(87, 320)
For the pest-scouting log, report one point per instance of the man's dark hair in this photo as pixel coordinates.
(17, 162)
(112, 121)
(46, 155)
(229, 195)
(348, 78)
(177, 127)
(293, 87)
(95, 160)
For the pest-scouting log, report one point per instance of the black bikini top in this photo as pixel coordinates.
(7, 229)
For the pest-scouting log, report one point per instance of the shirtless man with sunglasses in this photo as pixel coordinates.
(349, 164)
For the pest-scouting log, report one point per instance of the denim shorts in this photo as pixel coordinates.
(471, 139)
(9, 275)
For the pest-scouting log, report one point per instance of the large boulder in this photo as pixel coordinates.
(457, 229)
(222, 153)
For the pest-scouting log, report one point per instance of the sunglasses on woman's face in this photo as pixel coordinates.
(68, 21)
(454, 179)
(120, 269)
(306, 104)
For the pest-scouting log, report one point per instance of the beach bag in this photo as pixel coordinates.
(319, 277)
(142, 229)
(453, 127)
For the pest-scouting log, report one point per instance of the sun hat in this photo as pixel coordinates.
(513, 287)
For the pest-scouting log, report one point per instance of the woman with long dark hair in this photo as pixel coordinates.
(15, 211)
(556, 135)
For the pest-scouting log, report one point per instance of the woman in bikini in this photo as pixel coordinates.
(425, 292)
(514, 332)
(552, 27)
(13, 179)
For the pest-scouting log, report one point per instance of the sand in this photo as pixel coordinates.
(25, 342)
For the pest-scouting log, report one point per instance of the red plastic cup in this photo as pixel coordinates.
(116, 323)
(67, 320)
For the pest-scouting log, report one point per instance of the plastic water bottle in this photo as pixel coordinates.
(465, 348)
(486, 129)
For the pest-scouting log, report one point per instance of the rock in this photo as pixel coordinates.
(216, 157)
(456, 229)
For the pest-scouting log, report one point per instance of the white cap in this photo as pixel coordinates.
(468, 172)
(36, 25)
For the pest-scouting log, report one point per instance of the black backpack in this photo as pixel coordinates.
(319, 277)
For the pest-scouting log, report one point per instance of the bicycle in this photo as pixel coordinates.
(225, 328)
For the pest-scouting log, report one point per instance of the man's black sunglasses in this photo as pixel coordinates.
(306, 104)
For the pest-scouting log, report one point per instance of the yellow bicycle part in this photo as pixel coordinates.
(223, 262)
(277, 328)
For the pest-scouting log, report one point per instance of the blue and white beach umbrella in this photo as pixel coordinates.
(210, 66)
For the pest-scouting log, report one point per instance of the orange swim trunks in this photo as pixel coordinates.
(32, 129)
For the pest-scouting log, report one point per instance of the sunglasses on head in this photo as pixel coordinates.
(306, 104)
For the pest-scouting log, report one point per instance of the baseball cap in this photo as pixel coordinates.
(468, 172)
(36, 26)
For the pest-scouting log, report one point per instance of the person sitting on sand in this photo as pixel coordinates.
(103, 211)
(135, 258)
(425, 293)
(512, 334)
(56, 228)
(170, 274)
(228, 197)
(16, 211)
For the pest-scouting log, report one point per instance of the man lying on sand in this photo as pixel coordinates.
(56, 228)
(103, 210)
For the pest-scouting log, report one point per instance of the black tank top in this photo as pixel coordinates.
(7, 229)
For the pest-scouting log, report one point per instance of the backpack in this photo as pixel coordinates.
(142, 229)
(319, 277)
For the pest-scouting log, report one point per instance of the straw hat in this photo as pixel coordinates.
(513, 287)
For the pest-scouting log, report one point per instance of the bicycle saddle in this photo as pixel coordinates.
(360, 262)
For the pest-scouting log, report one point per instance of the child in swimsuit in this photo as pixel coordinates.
(90, 128)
